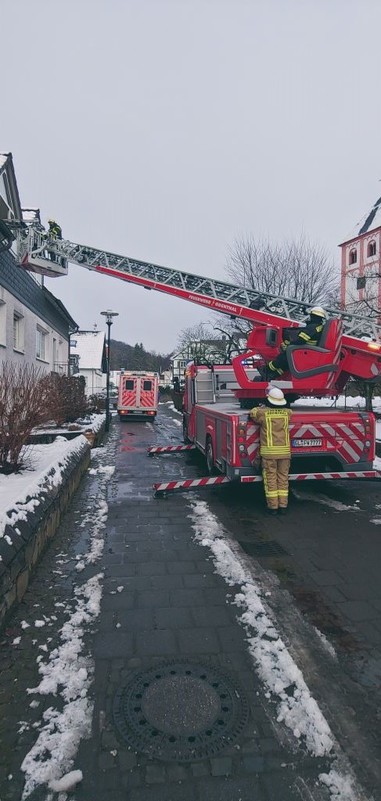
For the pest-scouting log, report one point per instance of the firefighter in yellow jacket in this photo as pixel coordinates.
(275, 449)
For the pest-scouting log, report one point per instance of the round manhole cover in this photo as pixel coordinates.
(180, 711)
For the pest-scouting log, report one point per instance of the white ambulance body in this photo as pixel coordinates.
(138, 394)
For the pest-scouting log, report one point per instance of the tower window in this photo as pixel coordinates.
(371, 251)
(361, 282)
(352, 256)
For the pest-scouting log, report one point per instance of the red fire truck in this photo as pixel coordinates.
(326, 442)
(138, 394)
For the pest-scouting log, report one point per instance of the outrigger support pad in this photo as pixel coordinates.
(163, 488)
(157, 449)
(188, 484)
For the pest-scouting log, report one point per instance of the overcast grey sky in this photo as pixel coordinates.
(163, 129)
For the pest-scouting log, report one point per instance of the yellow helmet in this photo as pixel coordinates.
(318, 312)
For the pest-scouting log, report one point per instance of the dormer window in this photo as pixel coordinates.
(371, 250)
(352, 256)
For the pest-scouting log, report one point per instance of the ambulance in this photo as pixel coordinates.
(138, 394)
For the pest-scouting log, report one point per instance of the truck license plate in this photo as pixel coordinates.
(307, 443)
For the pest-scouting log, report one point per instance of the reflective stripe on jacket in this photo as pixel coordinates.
(55, 231)
(274, 434)
(311, 334)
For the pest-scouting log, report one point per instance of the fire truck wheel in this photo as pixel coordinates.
(209, 456)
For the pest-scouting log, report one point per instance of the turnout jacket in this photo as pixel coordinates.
(309, 335)
(55, 231)
(274, 434)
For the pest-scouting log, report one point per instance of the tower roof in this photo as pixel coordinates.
(369, 222)
(373, 219)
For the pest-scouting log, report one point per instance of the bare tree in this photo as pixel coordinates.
(193, 334)
(26, 401)
(297, 269)
(201, 343)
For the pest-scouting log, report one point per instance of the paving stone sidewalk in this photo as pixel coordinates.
(162, 604)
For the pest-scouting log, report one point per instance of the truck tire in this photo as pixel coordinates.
(209, 457)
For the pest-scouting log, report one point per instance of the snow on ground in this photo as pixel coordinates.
(324, 500)
(94, 520)
(92, 421)
(171, 405)
(20, 492)
(67, 670)
(67, 782)
(340, 402)
(282, 679)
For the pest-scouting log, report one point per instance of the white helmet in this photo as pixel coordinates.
(319, 312)
(276, 397)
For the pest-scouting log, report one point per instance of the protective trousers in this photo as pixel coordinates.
(275, 481)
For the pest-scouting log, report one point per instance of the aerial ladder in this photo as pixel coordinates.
(351, 348)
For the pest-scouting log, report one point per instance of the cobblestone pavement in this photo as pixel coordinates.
(165, 608)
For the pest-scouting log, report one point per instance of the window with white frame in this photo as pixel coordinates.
(41, 343)
(18, 331)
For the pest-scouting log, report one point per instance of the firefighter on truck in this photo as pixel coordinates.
(309, 335)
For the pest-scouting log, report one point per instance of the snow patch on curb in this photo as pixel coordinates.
(67, 673)
(283, 680)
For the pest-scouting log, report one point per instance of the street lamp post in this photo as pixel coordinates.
(108, 315)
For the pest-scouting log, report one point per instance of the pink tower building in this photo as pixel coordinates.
(361, 266)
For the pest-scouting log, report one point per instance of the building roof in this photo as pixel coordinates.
(369, 222)
(90, 347)
(62, 311)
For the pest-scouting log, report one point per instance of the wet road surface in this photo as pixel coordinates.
(319, 571)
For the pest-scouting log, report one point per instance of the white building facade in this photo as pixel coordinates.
(35, 327)
(89, 348)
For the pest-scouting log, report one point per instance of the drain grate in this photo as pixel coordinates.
(270, 548)
(180, 711)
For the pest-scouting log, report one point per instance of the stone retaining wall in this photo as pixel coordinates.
(20, 552)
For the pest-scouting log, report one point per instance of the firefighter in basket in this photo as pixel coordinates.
(309, 335)
(274, 448)
(54, 232)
